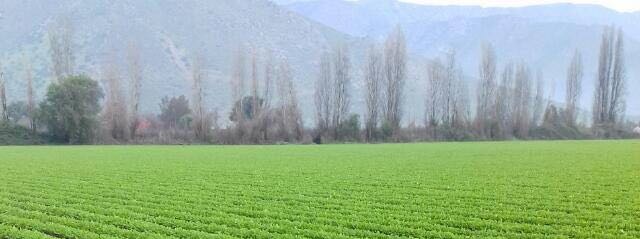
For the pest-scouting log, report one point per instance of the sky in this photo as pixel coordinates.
(619, 5)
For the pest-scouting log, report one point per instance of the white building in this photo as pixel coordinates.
(637, 130)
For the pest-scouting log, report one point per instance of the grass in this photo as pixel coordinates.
(579, 189)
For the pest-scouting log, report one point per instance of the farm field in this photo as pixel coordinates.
(568, 189)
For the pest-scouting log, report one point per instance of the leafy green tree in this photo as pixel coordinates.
(350, 129)
(386, 130)
(17, 111)
(250, 106)
(174, 112)
(70, 109)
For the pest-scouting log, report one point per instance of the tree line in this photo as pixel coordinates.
(509, 103)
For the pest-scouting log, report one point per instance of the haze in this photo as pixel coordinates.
(618, 5)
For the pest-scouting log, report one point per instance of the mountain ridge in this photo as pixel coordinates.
(544, 36)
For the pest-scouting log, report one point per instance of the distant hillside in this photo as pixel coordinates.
(545, 36)
(374, 17)
(169, 33)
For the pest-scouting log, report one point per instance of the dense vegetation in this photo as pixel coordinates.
(508, 103)
(16, 135)
(588, 189)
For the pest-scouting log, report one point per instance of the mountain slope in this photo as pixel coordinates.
(168, 33)
(544, 36)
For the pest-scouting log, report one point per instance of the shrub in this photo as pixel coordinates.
(11, 134)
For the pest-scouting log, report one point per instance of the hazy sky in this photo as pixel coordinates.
(620, 5)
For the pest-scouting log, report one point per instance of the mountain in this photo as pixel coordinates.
(169, 33)
(544, 36)
(373, 17)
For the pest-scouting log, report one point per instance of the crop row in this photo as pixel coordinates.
(165, 216)
(496, 190)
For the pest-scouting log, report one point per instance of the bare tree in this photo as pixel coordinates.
(61, 47)
(395, 67)
(238, 81)
(485, 111)
(200, 119)
(538, 101)
(373, 80)
(135, 71)
(269, 70)
(31, 108)
(435, 80)
(504, 115)
(282, 88)
(609, 102)
(341, 83)
(601, 100)
(451, 76)
(462, 104)
(265, 114)
(447, 111)
(259, 123)
(290, 120)
(323, 94)
(3, 98)
(456, 96)
(296, 124)
(521, 104)
(618, 81)
(116, 125)
(574, 88)
(254, 84)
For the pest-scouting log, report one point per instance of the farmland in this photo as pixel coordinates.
(588, 189)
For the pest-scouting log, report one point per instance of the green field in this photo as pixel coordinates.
(587, 189)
